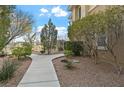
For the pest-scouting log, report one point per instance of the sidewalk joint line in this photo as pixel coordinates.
(39, 82)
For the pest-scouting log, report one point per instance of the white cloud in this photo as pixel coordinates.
(61, 28)
(41, 14)
(62, 32)
(39, 28)
(43, 10)
(55, 11)
(59, 12)
(49, 15)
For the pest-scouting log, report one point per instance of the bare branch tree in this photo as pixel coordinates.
(21, 23)
(30, 37)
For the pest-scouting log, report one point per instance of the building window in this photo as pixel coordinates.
(79, 12)
(102, 40)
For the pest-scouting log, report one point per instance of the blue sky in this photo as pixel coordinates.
(42, 13)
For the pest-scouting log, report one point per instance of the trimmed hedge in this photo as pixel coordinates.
(68, 53)
(75, 46)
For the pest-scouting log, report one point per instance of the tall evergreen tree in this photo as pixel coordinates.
(49, 36)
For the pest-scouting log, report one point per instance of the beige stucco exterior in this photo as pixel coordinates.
(91, 9)
(75, 12)
(86, 10)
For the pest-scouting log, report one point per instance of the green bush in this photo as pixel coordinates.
(68, 45)
(25, 50)
(76, 47)
(69, 64)
(68, 53)
(2, 54)
(7, 70)
(18, 52)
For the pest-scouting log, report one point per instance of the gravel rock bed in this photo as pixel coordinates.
(18, 74)
(88, 74)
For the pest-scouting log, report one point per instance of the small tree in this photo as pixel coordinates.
(5, 21)
(13, 23)
(84, 30)
(110, 22)
(44, 37)
(49, 36)
(114, 27)
(21, 23)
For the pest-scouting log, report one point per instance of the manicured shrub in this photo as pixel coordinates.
(7, 70)
(68, 53)
(68, 45)
(18, 52)
(76, 47)
(25, 50)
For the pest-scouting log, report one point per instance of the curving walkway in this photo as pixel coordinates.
(41, 72)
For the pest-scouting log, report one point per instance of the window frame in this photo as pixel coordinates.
(79, 12)
(102, 47)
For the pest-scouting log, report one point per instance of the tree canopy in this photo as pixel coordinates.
(5, 22)
(13, 23)
(49, 36)
(109, 22)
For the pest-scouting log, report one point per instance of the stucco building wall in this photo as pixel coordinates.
(91, 9)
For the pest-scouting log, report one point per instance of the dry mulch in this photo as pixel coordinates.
(88, 74)
(22, 66)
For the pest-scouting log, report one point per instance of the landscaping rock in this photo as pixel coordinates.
(75, 61)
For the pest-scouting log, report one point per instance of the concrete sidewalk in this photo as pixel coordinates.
(41, 72)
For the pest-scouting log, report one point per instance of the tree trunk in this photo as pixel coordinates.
(118, 67)
(48, 51)
(94, 55)
(44, 49)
